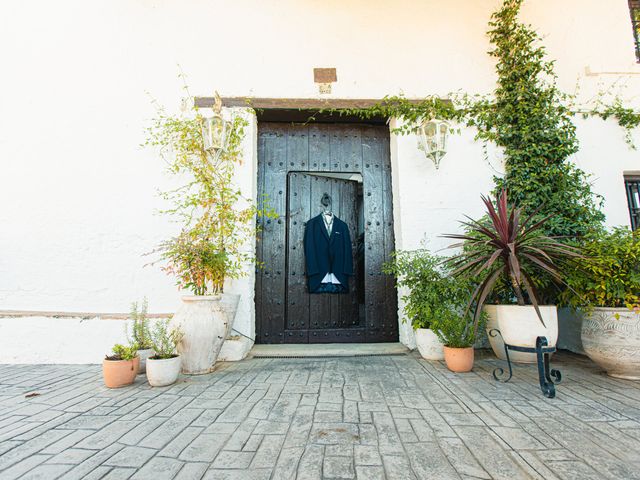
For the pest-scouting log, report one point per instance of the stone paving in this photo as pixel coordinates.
(393, 417)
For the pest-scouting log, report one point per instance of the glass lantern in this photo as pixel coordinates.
(214, 130)
(433, 135)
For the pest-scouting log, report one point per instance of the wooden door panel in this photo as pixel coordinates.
(289, 155)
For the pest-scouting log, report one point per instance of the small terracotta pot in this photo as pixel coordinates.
(459, 359)
(120, 373)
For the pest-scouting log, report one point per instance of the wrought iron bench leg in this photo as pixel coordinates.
(544, 373)
(499, 372)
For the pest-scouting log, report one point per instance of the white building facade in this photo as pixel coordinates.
(78, 194)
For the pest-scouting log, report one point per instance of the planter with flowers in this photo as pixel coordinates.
(216, 222)
(607, 281)
(508, 248)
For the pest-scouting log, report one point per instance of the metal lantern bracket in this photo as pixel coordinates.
(543, 351)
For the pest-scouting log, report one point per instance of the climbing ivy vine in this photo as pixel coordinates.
(530, 118)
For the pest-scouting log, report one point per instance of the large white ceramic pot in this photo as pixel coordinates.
(520, 326)
(429, 345)
(611, 338)
(163, 371)
(144, 356)
(206, 322)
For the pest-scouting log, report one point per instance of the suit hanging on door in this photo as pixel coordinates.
(328, 253)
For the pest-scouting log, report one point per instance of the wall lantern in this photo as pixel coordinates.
(215, 130)
(433, 135)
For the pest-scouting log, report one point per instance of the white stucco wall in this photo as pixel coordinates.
(78, 193)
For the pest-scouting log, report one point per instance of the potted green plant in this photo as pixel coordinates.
(455, 327)
(163, 367)
(139, 335)
(421, 275)
(216, 222)
(509, 248)
(121, 367)
(607, 280)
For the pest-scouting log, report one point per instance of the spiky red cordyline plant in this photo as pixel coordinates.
(505, 245)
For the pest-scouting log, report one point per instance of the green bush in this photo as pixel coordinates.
(165, 340)
(140, 327)
(608, 274)
(434, 300)
(123, 352)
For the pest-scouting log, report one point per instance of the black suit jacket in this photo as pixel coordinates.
(327, 254)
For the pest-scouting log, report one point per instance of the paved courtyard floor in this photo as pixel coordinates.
(393, 417)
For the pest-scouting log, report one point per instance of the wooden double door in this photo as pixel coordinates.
(297, 165)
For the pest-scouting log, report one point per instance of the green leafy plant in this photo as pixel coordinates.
(140, 326)
(165, 339)
(216, 218)
(510, 246)
(608, 275)
(123, 352)
(435, 299)
(458, 330)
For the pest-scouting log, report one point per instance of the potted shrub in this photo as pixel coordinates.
(121, 367)
(456, 329)
(216, 222)
(509, 248)
(608, 286)
(163, 367)
(140, 333)
(421, 275)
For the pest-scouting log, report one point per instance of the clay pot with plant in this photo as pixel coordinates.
(139, 334)
(121, 367)
(217, 221)
(163, 367)
(505, 247)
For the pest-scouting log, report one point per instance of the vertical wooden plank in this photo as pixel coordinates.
(297, 298)
(374, 235)
(390, 298)
(349, 301)
(273, 281)
(262, 133)
(297, 313)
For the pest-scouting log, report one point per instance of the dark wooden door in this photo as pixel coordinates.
(319, 318)
(297, 164)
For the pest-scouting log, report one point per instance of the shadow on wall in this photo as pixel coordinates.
(569, 327)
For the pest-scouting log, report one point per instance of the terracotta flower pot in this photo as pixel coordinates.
(459, 359)
(120, 373)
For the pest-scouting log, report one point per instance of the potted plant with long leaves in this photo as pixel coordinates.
(455, 326)
(422, 277)
(607, 283)
(121, 367)
(139, 334)
(505, 247)
(216, 223)
(163, 367)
